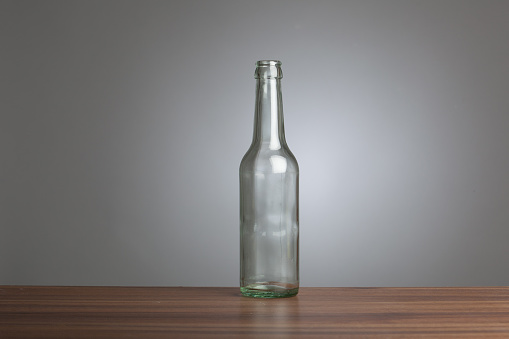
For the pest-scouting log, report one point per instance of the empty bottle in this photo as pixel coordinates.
(269, 197)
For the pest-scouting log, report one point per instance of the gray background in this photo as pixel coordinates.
(123, 124)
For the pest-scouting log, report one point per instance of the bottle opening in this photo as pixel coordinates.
(268, 69)
(268, 63)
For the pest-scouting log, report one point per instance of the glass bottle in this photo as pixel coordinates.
(269, 197)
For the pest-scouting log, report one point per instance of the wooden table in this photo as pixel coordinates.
(183, 312)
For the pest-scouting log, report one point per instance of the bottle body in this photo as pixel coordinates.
(269, 205)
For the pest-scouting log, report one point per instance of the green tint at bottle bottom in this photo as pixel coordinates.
(269, 290)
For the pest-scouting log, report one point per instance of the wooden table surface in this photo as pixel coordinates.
(195, 312)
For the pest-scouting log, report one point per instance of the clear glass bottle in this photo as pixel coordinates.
(269, 197)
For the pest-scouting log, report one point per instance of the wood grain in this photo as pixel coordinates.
(194, 312)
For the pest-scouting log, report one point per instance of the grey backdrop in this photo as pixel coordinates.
(123, 124)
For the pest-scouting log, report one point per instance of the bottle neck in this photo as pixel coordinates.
(269, 127)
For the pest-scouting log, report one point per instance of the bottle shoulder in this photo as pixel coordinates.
(260, 159)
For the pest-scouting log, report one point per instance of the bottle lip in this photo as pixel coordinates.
(268, 63)
(268, 69)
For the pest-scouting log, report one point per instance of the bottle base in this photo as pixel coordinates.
(269, 290)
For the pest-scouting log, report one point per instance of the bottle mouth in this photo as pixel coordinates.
(268, 69)
(268, 63)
